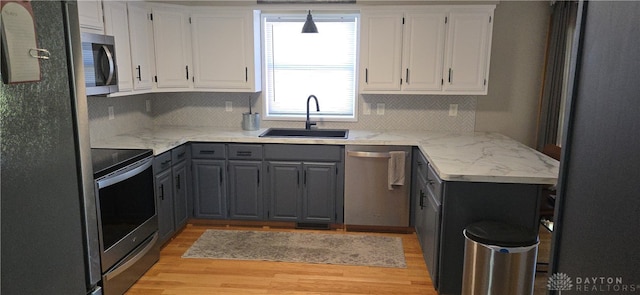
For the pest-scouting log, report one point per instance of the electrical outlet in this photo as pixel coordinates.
(148, 105)
(111, 114)
(380, 109)
(366, 108)
(453, 110)
(228, 106)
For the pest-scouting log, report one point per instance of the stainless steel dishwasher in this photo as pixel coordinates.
(369, 199)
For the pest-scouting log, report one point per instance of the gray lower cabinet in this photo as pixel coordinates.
(304, 183)
(209, 189)
(442, 209)
(164, 202)
(285, 190)
(302, 191)
(464, 203)
(279, 182)
(319, 192)
(245, 190)
(245, 181)
(180, 195)
(171, 191)
(208, 166)
(426, 213)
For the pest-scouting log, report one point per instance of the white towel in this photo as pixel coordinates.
(396, 168)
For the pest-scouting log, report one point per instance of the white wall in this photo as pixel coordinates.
(517, 59)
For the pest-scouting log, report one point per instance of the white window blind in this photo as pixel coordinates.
(298, 65)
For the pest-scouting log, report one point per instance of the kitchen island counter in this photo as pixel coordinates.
(469, 157)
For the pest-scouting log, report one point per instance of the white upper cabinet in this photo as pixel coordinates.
(90, 16)
(172, 46)
(226, 50)
(423, 54)
(410, 50)
(468, 49)
(116, 24)
(380, 51)
(142, 51)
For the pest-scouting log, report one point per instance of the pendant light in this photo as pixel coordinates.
(309, 26)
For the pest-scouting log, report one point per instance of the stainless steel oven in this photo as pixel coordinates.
(127, 218)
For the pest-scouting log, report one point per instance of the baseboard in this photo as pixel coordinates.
(379, 229)
(295, 225)
(243, 223)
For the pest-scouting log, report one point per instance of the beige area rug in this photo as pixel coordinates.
(343, 249)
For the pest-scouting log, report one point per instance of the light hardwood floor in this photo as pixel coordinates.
(175, 275)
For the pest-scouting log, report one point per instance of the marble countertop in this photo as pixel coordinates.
(473, 157)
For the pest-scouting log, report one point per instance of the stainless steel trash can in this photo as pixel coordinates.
(499, 259)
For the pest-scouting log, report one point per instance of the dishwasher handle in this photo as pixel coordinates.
(360, 154)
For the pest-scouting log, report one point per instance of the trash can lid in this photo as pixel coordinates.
(500, 234)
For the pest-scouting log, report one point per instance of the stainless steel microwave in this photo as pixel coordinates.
(100, 68)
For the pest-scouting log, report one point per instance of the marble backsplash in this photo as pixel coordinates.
(402, 112)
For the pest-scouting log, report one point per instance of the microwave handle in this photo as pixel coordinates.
(111, 64)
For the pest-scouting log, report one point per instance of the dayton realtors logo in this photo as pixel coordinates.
(559, 282)
(562, 282)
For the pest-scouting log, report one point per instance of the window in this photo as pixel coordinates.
(298, 65)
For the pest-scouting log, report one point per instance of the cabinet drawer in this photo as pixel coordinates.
(178, 154)
(207, 151)
(303, 152)
(245, 151)
(434, 184)
(162, 162)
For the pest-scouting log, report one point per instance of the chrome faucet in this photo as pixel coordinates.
(308, 124)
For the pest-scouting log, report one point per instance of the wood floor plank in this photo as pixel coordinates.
(174, 275)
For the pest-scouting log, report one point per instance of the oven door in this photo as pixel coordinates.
(126, 211)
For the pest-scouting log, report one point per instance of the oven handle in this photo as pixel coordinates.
(126, 265)
(125, 173)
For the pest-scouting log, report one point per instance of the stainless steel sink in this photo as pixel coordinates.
(304, 133)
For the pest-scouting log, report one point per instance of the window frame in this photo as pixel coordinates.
(296, 13)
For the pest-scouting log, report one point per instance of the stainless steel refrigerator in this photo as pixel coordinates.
(48, 213)
(596, 240)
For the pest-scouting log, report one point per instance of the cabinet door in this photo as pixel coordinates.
(171, 37)
(141, 41)
(209, 193)
(284, 190)
(381, 51)
(223, 50)
(164, 201)
(467, 50)
(90, 16)
(431, 235)
(245, 190)
(420, 207)
(423, 50)
(318, 204)
(180, 194)
(116, 23)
